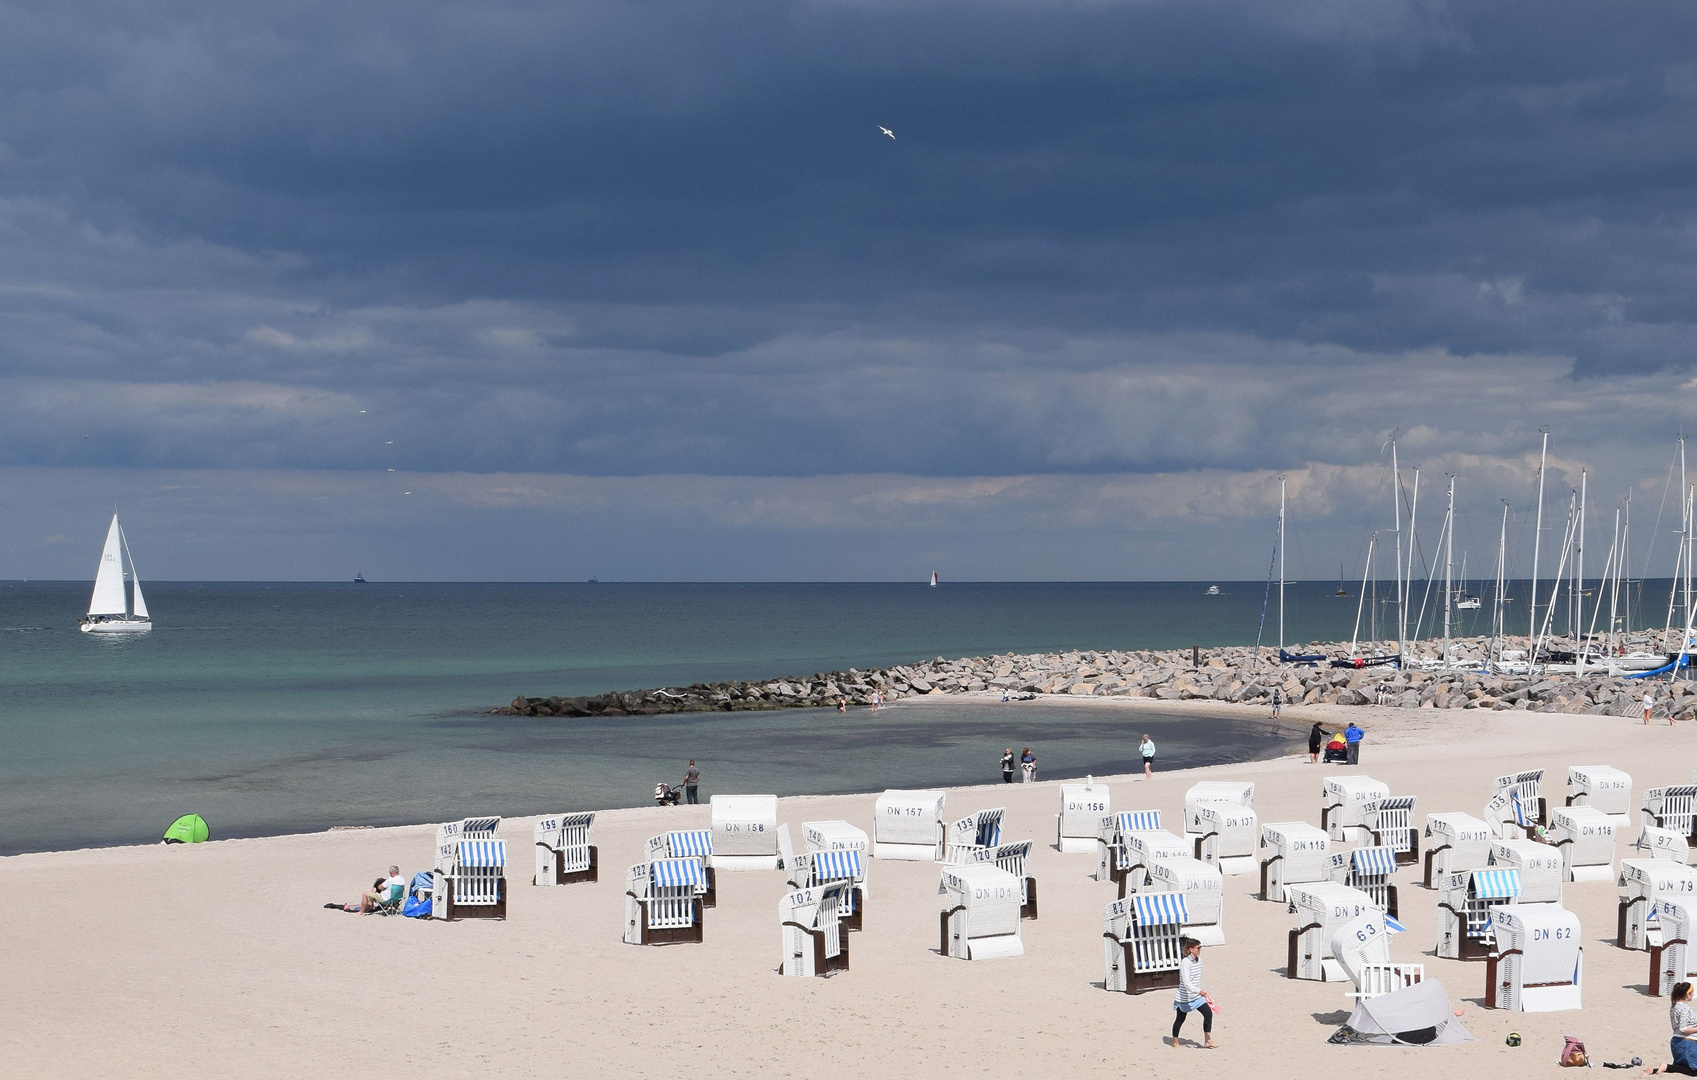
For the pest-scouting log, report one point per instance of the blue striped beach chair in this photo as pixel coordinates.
(815, 942)
(1465, 899)
(1140, 942)
(1112, 857)
(1204, 891)
(564, 854)
(1673, 808)
(1517, 804)
(981, 919)
(663, 903)
(1012, 858)
(813, 869)
(471, 882)
(1368, 869)
(1542, 872)
(974, 833)
(1391, 824)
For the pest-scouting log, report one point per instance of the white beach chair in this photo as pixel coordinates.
(981, 920)
(745, 832)
(1363, 949)
(662, 902)
(1140, 942)
(1601, 788)
(1542, 873)
(1465, 900)
(845, 866)
(1390, 823)
(1228, 836)
(908, 825)
(1321, 909)
(1368, 869)
(815, 942)
(834, 836)
(1517, 803)
(1662, 844)
(1203, 887)
(1143, 848)
(1012, 858)
(972, 833)
(1539, 965)
(1292, 852)
(563, 852)
(1214, 791)
(1082, 808)
(1672, 959)
(1455, 842)
(1673, 808)
(689, 844)
(1585, 836)
(1343, 805)
(469, 877)
(1647, 882)
(1112, 858)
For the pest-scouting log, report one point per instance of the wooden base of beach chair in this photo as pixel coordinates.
(1427, 881)
(672, 935)
(825, 965)
(710, 898)
(1654, 989)
(1137, 982)
(562, 877)
(1471, 948)
(1622, 909)
(856, 921)
(497, 910)
(1028, 910)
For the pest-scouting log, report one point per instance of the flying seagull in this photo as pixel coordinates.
(886, 131)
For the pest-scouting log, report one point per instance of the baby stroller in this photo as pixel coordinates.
(665, 795)
(1337, 751)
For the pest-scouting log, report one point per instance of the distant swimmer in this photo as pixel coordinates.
(886, 131)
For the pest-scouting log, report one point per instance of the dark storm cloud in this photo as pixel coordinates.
(667, 237)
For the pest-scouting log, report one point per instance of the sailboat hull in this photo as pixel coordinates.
(116, 626)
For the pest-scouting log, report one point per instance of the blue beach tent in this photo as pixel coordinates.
(418, 896)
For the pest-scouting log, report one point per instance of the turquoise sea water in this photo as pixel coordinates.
(289, 707)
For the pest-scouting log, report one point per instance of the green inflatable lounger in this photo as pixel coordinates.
(188, 829)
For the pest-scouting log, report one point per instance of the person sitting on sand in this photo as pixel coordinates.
(378, 894)
(1684, 1041)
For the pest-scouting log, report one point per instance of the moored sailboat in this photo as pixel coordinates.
(109, 609)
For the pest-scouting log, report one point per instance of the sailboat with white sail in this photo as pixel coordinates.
(109, 609)
(933, 579)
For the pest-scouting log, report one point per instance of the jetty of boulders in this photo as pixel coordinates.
(1233, 674)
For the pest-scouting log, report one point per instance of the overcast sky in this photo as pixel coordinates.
(640, 290)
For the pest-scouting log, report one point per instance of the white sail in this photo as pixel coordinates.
(108, 598)
(135, 581)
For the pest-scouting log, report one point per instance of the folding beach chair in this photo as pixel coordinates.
(662, 902)
(814, 941)
(1140, 939)
(564, 854)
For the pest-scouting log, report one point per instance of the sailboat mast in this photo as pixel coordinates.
(1579, 560)
(1414, 538)
(1449, 567)
(1401, 609)
(1497, 622)
(1619, 546)
(1537, 537)
(1281, 564)
(1362, 599)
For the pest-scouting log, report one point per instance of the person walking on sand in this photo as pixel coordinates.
(1146, 749)
(1316, 739)
(1007, 765)
(1027, 766)
(1278, 702)
(1684, 1042)
(692, 780)
(1649, 705)
(1189, 998)
(1352, 737)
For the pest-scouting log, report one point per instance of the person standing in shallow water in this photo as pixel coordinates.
(1146, 749)
(1007, 765)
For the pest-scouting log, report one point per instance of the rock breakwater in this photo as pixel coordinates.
(1227, 674)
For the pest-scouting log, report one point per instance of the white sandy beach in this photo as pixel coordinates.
(220, 960)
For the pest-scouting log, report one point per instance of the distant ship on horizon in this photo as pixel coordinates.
(359, 578)
(1213, 590)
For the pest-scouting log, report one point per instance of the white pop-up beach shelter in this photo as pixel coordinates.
(1647, 882)
(1228, 836)
(563, 852)
(1113, 858)
(1539, 965)
(1418, 1015)
(1214, 791)
(1602, 788)
(1455, 842)
(1672, 959)
(981, 921)
(1585, 836)
(1343, 805)
(1292, 852)
(1077, 826)
(1542, 872)
(908, 825)
(814, 940)
(1465, 900)
(745, 832)
(1321, 908)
